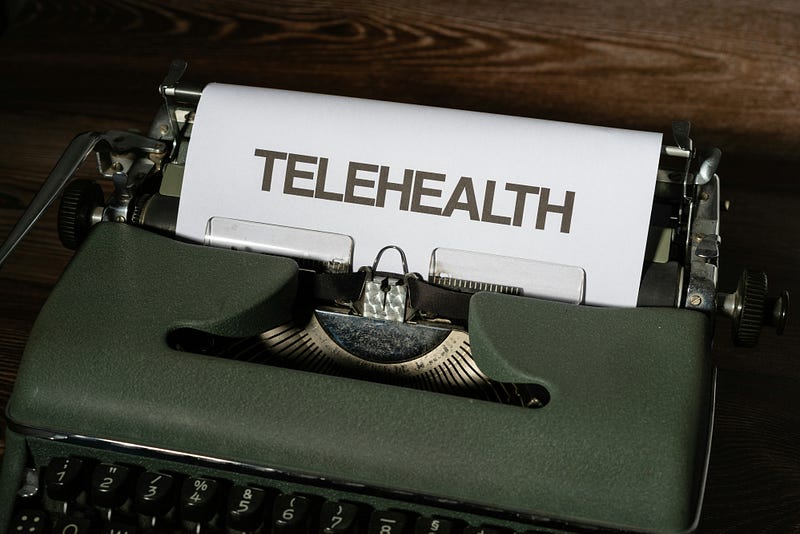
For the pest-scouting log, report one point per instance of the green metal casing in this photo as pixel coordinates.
(622, 443)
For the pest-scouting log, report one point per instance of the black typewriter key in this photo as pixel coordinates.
(247, 508)
(30, 522)
(484, 530)
(338, 518)
(154, 493)
(429, 525)
(30, 485)
(64, 477)
(65, 524)
(110, 485)
(199, 499)
(387, 522)
(119, 528)
(291, 514)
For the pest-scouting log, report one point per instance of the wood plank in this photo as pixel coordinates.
(732, 68)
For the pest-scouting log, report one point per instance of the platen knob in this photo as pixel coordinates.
(751, 300)
(750, 308)
(79, 200)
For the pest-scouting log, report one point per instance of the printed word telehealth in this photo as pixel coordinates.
(419, 191)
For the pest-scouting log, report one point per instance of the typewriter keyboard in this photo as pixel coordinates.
(68, 491)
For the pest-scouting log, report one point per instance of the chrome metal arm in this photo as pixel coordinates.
(76, 152)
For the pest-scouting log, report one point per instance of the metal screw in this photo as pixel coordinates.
(120, 218)
(704, 195)
(117, 166)
(699, 237)
(533, 403)
(695, 300)
(163, 129)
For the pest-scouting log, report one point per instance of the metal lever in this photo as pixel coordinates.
(76, 152)
(175, 92)
(680, 132)
(711, 157)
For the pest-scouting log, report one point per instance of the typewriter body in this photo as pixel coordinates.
(171, 386)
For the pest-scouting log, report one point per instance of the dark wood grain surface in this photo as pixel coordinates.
(733, 68)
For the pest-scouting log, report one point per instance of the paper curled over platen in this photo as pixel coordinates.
(423, 178)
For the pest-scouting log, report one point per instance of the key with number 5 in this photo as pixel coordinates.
(247, 507)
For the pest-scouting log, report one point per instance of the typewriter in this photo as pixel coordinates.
(175, 387)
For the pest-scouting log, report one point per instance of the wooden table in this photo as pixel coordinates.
(733, 69)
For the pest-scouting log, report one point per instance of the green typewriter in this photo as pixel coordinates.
(170, 386)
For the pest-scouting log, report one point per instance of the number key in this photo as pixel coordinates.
(154, 493)
(338, 518)
(199, 499)
(387, 522)
(64, 477)
(291, 514)
(110, 485)
(71, 525)
(246, 508)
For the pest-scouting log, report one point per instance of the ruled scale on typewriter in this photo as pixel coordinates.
(298, 313)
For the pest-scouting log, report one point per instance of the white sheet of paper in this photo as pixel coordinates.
(443, 162)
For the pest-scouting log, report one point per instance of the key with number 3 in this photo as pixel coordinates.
(154, 493)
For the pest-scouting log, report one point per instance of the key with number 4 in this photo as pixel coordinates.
(199, 499)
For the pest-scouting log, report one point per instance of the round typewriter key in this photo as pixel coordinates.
(338, 518)
(63, 478)
(428, 525)
(118, 528)
(30, 522)
(387, 522)
(247, 508)
(154, 493)
(199, 499)
(484, 530)
(110, 485)
(71, 525)
(291, 514)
